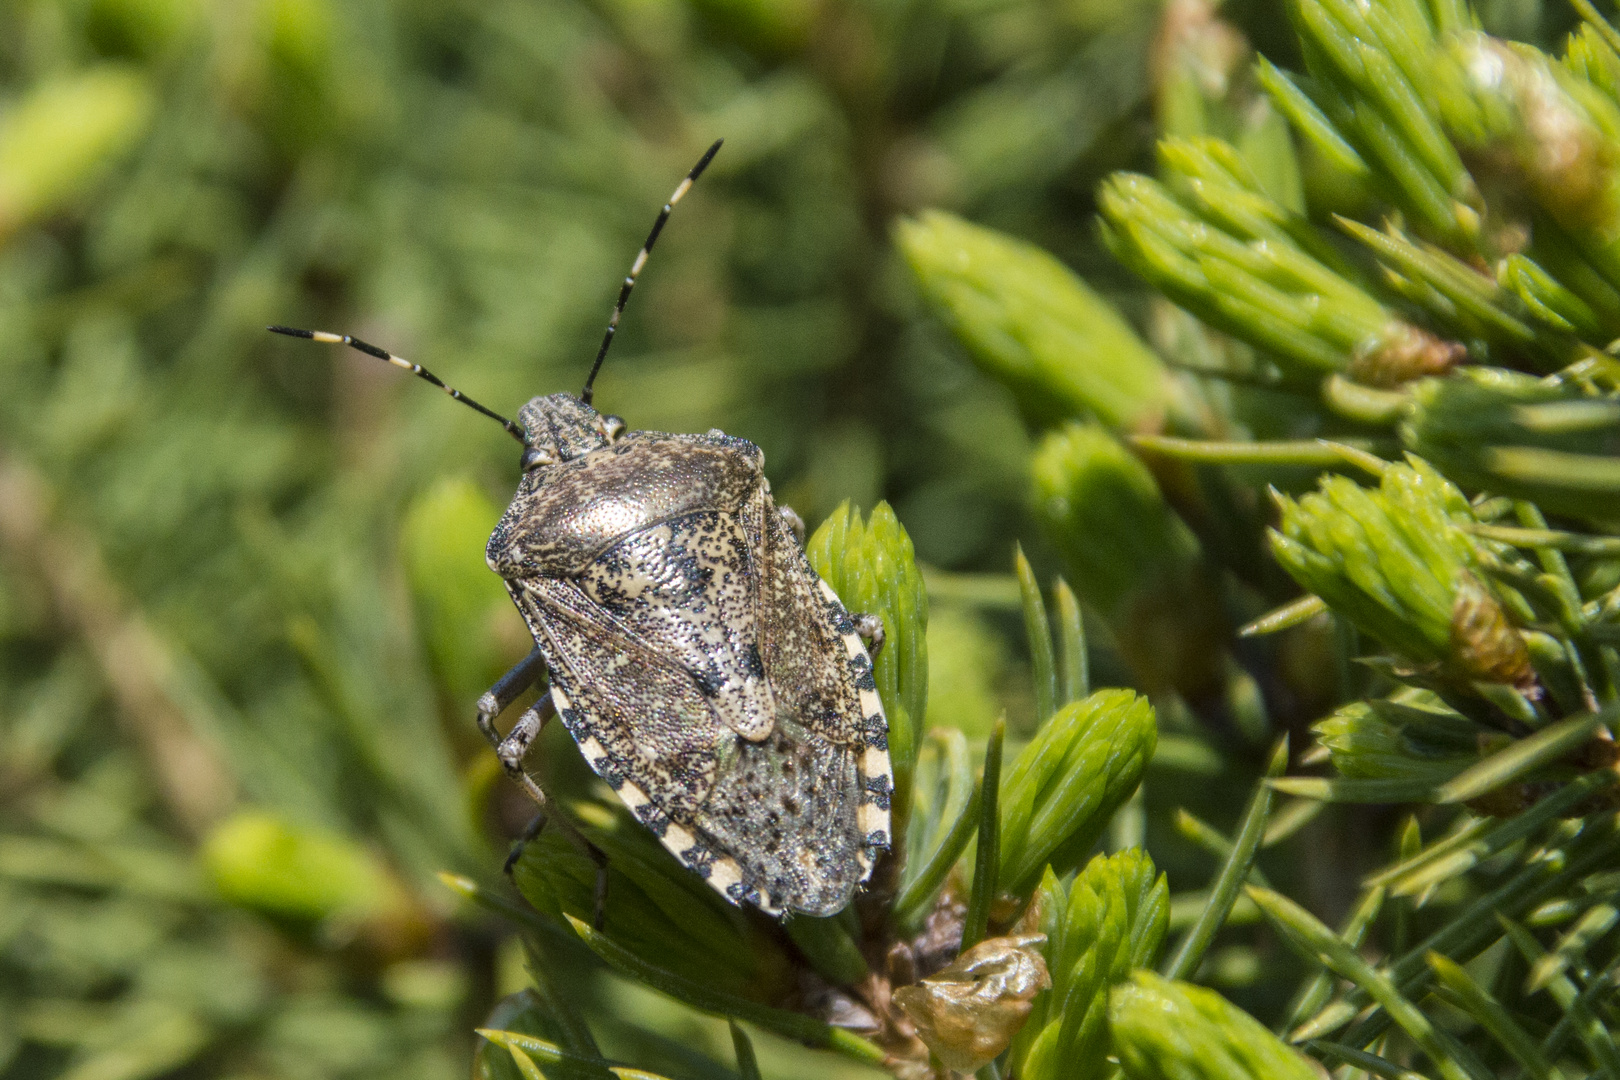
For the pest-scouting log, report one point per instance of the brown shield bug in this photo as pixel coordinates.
(705, 671)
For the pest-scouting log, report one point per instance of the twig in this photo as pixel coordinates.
(141, 668)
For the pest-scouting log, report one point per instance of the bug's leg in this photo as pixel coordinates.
(597, 855)
(532, 830)
(870, 629)
(512, 750)
(523, 675)
(599, 900)
(794, 522)
(494, 702)
(515, 747)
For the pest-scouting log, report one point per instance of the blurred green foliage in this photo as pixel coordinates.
(1344, 329)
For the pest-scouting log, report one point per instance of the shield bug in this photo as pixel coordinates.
(705, 671)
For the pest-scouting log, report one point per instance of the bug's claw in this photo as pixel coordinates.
(870, 629)
(515, 747)
(505, 691)
(794, 522)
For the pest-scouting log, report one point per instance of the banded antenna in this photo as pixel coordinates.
(415, 369)
(641, 261)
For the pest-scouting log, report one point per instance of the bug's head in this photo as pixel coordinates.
(560, 427)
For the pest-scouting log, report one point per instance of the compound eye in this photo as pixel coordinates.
(535, 456)
(612, 427)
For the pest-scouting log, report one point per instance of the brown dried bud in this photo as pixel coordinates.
(1525, 129)
(1484, 645)
(1195, 44)
(969, 1012)
(1404, 352)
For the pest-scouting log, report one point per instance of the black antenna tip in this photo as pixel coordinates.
(708, 156)
(291, 331)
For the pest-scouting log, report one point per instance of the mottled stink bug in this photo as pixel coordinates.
(704, 670)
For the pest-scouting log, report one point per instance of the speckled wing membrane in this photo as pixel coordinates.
(690, 662)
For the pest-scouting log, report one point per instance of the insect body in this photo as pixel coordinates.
(704, 670)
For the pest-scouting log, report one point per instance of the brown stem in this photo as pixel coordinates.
(140, 667)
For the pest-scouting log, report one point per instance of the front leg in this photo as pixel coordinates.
(506, 690)
(514, 748)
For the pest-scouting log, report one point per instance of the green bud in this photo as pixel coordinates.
(1219, 246)
(1104, 511)
(1368, 63)
(1420, 741)
(1065, 785)
(62, 134)
(1218, 181)
(1031, 323)
(1112, 920)
(872, 567)
(1164, 1030)
(1129, 557)
(467, 621)
(1511, 434)
(313, 882)
(1397, 563)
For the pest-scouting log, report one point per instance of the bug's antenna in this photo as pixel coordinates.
(415, 369)
(641, 260)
